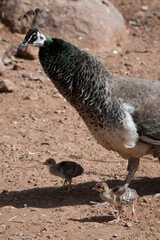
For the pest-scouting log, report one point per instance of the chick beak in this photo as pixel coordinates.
(23, 44)
(44, 163)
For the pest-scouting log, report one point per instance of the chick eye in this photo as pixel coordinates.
(34, 37)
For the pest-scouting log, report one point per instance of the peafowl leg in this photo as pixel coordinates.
(133, 165)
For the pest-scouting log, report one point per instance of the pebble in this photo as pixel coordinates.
(129, 224)
(2, 66)
(98, 239)
(41, 79)
(31, 96)
(33, 209)
(115, 235)
(144, 8)
(115, 52)
(145, 200)
(7, 86)
(7, 61)
(25, 75)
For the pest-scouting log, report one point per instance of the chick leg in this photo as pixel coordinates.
(133, 211)
(118, 216)
(133, 165)
(65, 182)
(119, 213)
(69, 186)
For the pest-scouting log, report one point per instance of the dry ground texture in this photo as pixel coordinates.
(36, 123)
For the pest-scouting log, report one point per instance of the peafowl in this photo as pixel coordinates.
(65, 169)
(122, 114)
(117, 196)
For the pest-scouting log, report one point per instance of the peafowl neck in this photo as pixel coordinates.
(79, 77)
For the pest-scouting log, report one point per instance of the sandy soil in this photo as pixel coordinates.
(36, 123)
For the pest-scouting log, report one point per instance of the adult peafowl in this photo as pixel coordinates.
(123, 114)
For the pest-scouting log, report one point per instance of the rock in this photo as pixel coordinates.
(7, 86)
(145, 200)
(91, 25)
(2, 67)
(115, 235)
(32, 96)
(2, 51)
(144, 8)
(17, 67)
(7, 61)
(98, 239)
(129, 224)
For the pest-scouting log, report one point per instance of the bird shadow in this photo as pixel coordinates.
(51, 197)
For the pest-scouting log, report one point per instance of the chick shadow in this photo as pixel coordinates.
(82, 194)
(98, 219)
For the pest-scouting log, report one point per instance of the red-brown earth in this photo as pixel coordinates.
(37, 123)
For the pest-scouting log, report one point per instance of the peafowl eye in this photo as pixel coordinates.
(34, 37)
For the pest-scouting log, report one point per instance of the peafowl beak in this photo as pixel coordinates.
(23, 44)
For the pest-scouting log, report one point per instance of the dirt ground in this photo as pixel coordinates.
(37, 123)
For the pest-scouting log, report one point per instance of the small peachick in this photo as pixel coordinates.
(123, 114)
(118, 196)
(65, 169)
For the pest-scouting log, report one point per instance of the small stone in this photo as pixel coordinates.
(33, 209)
(115, 235)
(17, 67)
(98, 239)
(25, 75)
(145, 200)
(144, 8)
(25, 205)
(115, 52)
(7, 61)
(2, 66)
(129, 224)
(7, 86)
(31, 96)
(4, 226)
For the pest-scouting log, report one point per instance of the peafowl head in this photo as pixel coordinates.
(33, 37)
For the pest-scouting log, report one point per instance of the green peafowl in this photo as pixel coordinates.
(123, 114)
(65, 169)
